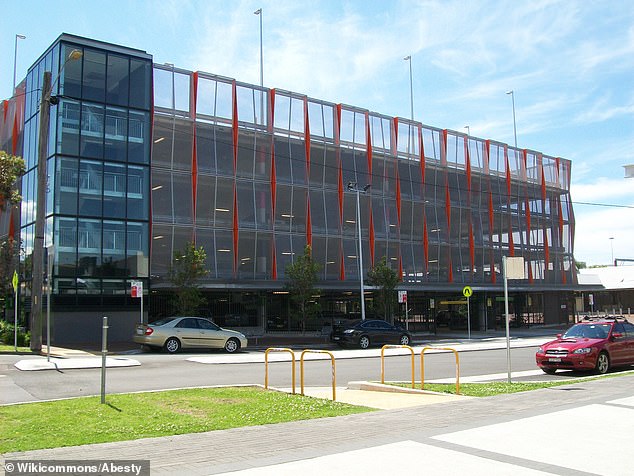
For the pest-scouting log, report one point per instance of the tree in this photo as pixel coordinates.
(188, 267)
(302, 276)
(11, 169)
(385, 279)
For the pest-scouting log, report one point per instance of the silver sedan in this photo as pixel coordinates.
(176, 333)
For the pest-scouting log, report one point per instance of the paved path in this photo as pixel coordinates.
(574, 430)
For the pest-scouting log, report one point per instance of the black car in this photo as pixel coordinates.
(369, 332)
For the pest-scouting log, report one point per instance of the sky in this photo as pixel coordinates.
(569, 63)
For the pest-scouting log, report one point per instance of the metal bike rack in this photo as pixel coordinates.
(266, 364)
(383, 360)
(301, 369)
(422, 366)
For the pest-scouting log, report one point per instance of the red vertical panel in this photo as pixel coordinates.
(372, 237)
(508, 171)
(309, 229)
(307, 139)
(274, 260)
(468, 159)
(5, 109)
(235, 229)
(340, 178)
(273, 173)
(342, 263)
(546, 251)
(400, 266)
(425, 244)
(234, 123)
(491, 233)
(340, 192)
(447, 205)
(511, 243)
(450, 266)
(368, 145)
(421, 148)
(443, 149)
(394, 136)
(398, 193)
(471, 247)
(14, 135)
(194, 154)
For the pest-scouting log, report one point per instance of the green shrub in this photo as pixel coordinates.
(7, 335)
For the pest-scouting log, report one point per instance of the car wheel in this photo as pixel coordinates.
(603, 363)
(232, 345)
(172, 345)
(549, 371)
(404, 340)
(364, 342)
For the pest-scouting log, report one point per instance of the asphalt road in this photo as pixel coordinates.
(161, 371)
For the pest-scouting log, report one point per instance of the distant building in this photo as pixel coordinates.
(144, 158)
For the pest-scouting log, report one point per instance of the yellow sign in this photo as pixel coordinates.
(15, 281)
(467, 291)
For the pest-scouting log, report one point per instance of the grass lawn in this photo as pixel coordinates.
(495, 388)
(80, 421)
(6, 348)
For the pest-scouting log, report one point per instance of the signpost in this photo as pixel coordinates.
(468, 292)
(402, 298)
(136, 291)
(513, 268)
(15, 283)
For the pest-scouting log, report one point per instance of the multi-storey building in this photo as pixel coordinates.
(144, 158)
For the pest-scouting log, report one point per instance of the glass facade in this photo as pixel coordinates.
(254, 175)
(98, 167)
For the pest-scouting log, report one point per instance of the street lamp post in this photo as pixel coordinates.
(612, 249)
(258, 12)
(40, 212)
(411, 87)
(468, 130)
(512, 93)
(352, 186)
(15, 60)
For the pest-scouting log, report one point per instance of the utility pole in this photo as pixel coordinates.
(40, 214)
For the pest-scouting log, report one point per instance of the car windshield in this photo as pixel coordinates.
(591, 331)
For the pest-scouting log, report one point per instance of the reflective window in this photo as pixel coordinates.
(116, 134)
(90, 188)
(117, 80)
(139, 137)
(114, 190)
(92, 131)
(140, 81)
(137, 193)
(94, 75)
(70, 79)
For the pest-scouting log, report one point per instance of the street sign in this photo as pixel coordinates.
(402, 297)
(14, 281)
(467, 291)
(136, 290)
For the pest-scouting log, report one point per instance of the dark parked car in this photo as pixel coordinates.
(363, 334)
(590, 345)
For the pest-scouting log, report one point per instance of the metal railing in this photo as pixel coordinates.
(266, 365)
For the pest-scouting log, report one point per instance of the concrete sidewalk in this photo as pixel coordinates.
(510, 434)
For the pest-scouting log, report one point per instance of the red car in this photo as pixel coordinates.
(594, 345)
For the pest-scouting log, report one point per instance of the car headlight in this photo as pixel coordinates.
(540, 350)
(585, 350)
(348, 331)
